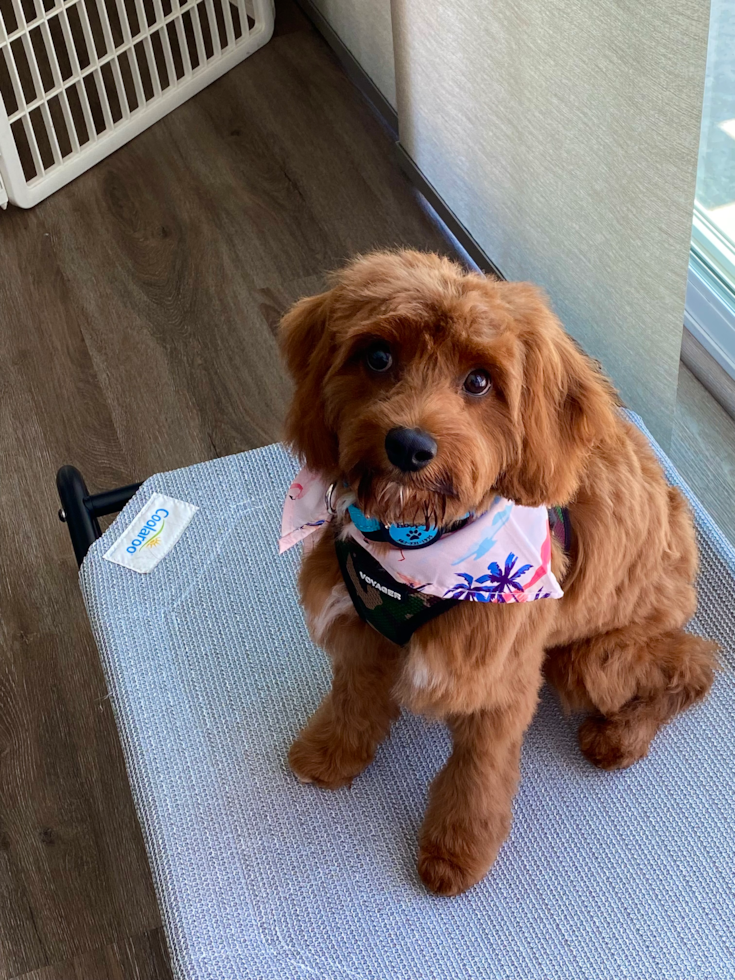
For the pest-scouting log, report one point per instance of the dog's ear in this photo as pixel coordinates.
(306, 346)
(565, 406)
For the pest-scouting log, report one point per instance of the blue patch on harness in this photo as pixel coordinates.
(401, 535)
(412, 535)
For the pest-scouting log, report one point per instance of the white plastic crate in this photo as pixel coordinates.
(78, 78)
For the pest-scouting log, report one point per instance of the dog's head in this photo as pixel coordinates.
(430, 390)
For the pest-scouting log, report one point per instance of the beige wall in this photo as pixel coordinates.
(563, 134)
(364, 26)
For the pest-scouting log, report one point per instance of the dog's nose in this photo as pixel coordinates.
(410, 449)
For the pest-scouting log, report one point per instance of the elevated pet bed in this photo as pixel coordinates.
(212, 674)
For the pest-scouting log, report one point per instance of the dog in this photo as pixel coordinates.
(482, 375)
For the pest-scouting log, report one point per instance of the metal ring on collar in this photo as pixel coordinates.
(329, 497)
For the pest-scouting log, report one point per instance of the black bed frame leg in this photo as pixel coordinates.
(80, 509)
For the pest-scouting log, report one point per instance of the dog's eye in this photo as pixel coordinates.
(477, 382)
(379, 358)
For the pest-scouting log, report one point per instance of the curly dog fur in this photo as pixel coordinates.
(547, 433)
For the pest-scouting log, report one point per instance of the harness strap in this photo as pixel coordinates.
(561, 527)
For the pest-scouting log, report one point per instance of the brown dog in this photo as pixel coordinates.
(407, 340)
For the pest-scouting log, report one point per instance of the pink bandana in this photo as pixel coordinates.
(502, 556)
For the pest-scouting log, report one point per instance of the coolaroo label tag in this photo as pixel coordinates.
(152, 534)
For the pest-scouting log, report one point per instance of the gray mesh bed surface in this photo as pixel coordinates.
(212, 674)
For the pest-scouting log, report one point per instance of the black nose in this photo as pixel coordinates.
(410, 449)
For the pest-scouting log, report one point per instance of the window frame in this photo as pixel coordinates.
(710, 301)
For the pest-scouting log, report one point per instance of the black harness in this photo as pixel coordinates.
(394, 608)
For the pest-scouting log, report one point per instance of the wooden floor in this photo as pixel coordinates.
(137, 314)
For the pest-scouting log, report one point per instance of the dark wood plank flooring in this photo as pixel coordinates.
(137, 315)
(133, 958)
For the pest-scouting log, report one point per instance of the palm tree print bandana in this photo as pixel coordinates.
(503, 555)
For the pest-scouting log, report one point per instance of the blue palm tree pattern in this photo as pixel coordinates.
(493, 587)
(475, 593)
(507, 580)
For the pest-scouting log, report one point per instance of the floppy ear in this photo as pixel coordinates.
(306, 346)
(566, 407)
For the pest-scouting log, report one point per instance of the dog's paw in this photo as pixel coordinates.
(325, 762)
(611, 744)
(445, 873)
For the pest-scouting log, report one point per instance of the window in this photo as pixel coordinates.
(710, 312)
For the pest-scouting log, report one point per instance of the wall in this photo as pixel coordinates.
(364, 26)
(564, 136)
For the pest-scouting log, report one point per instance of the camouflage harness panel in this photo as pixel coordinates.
(392, 608)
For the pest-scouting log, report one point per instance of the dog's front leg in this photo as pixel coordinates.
(469, 812)
(479, 668)
(342, 736)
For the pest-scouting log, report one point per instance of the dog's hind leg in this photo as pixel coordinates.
(632, 688)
